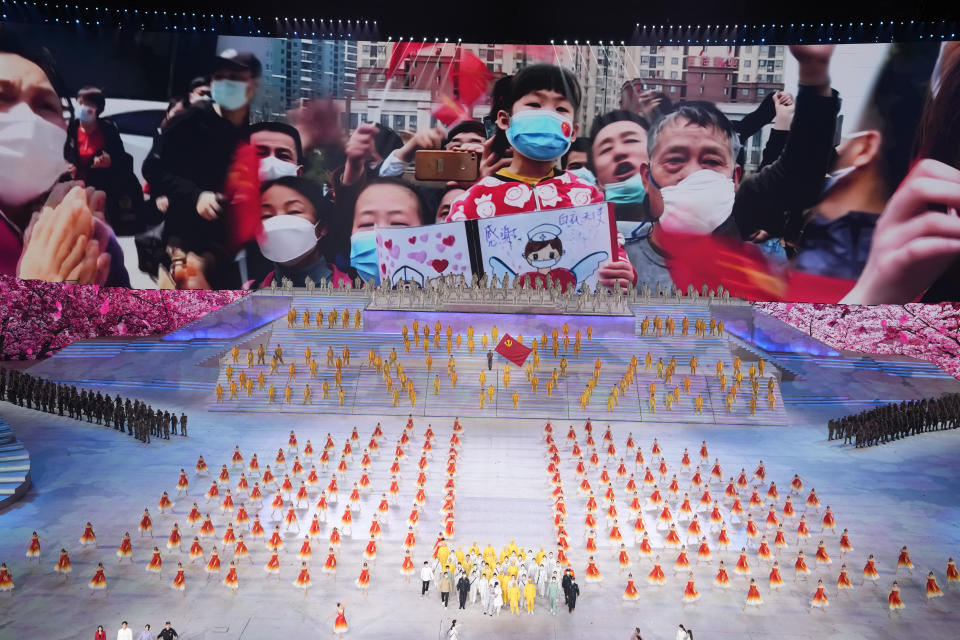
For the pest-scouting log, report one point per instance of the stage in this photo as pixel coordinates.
(903, 493)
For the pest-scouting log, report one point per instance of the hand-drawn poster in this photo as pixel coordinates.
(568, 245)
(419, 254)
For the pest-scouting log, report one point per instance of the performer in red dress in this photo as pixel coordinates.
(754, 599)
(231, 580)
(303, 578)
(97, 583)
(180, 580)
(896, 604)
(63, 564)
(340, 624)
(722, 580)
(776, 580)
(363, 581)
(330, 565)
(630, 594)
(174, 541)
(213, 564)
(843, 580)
(33, 548)
(933, 589)
(126, 549)
(656, 576)
(407, 569)
(870, 571)
(690, 593)
(820, 599)
(800, 567)
(6, 581)
(953, 576)
(903, 561)
(742, 567)
(182, 483)
(88, 537)
(156, 563)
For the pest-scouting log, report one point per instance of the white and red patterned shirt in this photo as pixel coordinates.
(499, 195)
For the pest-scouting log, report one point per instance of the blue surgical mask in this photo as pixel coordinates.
(86, 115)
(229, 94)
(585, 175)
(540, 134)
(363, 255)
(630, 191)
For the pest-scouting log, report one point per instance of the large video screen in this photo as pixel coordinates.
(162, 160)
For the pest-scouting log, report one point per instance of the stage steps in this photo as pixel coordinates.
(14, 467)
(365, 392)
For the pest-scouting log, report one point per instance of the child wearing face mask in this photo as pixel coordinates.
(538, 121)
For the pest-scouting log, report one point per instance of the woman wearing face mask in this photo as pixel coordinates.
(66, 239)
(383, 202)
(95, 155)
(295, 213)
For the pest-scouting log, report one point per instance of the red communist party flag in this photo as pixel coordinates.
(513, 350)
(403, 50)
(242, 193)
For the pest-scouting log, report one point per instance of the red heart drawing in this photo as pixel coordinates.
(383, 269)
(412, 239)
(449, 240)
(388, 244)
(439, 265)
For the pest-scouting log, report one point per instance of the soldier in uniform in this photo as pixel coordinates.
(183, 424)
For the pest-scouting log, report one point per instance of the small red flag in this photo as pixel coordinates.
(242, 193)
(513, 350)
(449, 111)
(474, 78)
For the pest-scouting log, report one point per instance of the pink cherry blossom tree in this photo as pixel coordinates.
(926, 331)
(38, 318)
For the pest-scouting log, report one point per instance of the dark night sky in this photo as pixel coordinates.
(126, 64)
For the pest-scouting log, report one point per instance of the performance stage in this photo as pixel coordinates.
(902, 493)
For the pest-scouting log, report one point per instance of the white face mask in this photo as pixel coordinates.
(273, 167)
(31, 155)
(286, 237)
(697, 204)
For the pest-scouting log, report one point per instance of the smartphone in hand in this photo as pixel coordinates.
(458, 166)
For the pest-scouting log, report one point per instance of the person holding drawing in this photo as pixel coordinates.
(538, 120)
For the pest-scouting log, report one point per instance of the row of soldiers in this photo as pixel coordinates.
(896, 420)
(139, 419)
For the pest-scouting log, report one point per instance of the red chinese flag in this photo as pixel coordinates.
(402, 51)
(474, 79)
(743, 270)
(242, 193)
(513, 350)
(449, 111)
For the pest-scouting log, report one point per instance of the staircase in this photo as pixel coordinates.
(365, 392)
(14, 467)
